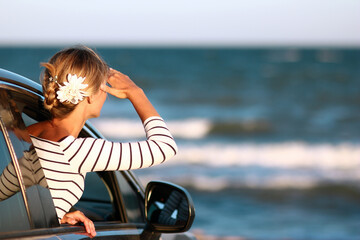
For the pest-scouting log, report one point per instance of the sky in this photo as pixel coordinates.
(181, 22)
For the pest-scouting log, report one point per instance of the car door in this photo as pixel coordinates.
(24, 196)
(13, 205)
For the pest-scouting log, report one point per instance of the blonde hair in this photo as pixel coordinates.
(79, 60)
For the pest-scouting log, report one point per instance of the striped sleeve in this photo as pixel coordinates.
(29, 166)
(9, 184)
(89, 154)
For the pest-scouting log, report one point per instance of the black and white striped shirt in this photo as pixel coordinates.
(31, 172)
(65, 163)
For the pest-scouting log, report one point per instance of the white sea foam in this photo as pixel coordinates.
(252, 180)
(216, 166)
(201, 182)
(279, 155)
(256, 180)
(274, 166)
(192, 128)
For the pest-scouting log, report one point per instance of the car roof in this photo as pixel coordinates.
(16, 79)
(29, 85)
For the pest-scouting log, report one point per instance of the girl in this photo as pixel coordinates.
(75, 84)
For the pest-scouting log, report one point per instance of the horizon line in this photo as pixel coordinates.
(184, 45)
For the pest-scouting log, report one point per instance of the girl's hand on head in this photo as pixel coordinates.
(121, 85)
(76, 217)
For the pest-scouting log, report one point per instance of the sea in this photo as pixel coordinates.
(269, 138)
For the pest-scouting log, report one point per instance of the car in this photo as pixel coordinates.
(116, 201)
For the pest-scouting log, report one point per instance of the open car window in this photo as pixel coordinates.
(101, 200)
(13, 215)
(23, 186)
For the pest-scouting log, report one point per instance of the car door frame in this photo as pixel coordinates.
(103, 228)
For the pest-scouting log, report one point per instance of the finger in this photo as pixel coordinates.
(68, 220)
(108, 89)
(112, 80)
(115, 92)
(113, 73)
(78, 216)
(64, 220)
(117, 75)
(81, 217)
(92, 229)
(89, 227)
(103, 87)
(72, 221)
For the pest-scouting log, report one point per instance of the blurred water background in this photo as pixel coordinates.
(269, 138)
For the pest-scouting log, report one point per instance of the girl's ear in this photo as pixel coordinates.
(90, 99)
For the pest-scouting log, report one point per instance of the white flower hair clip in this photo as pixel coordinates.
(72, 91)
(51, 79)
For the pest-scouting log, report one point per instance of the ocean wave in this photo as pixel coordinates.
(215, 167)
(201, 182)
(203, 179)
(191, 128)
(280, 155)
(209, 165)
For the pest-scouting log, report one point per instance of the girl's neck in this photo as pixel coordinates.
(71, 125)
(59, 128)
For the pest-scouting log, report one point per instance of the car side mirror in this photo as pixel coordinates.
(168, 207)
